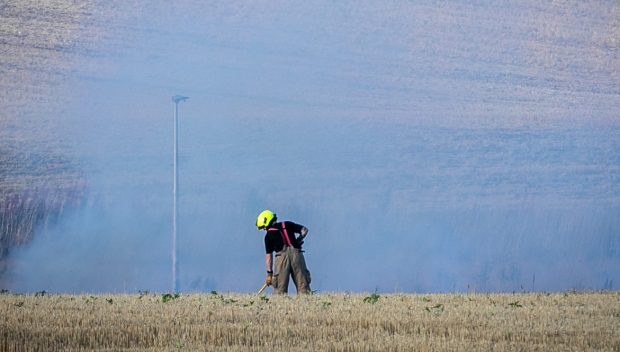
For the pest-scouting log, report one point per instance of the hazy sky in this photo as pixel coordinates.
(428, 146)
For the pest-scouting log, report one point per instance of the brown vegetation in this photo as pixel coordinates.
(326, 322)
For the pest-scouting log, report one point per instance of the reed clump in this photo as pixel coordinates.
(23, 212)
(325, 322)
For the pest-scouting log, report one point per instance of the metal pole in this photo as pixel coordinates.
(174, 201)
(175, 187)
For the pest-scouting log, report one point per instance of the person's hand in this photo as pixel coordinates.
(269, 279)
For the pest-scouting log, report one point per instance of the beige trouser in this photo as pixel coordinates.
(291, 262)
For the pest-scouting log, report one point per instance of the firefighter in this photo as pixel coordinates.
(280, 237)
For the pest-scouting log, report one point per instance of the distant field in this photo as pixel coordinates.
(42, 43)
(326, 322)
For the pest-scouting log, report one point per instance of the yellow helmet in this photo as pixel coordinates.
(265, 218)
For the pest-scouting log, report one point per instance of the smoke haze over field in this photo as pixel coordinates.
(428, 147)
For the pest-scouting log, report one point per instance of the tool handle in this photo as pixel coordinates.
(262, 289)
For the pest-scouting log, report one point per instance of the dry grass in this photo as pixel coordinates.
(327, 322)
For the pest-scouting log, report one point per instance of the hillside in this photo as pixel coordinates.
(478, 143)
(44, 44)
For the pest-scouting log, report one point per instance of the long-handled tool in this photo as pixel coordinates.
(260, 292)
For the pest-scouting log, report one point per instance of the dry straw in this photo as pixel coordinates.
(325, 322)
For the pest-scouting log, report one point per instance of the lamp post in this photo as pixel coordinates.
(175, 187)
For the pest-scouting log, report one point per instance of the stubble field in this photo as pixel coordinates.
(327, 322)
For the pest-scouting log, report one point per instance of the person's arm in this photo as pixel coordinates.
(300, 229)
(269, 262)
(269, 265)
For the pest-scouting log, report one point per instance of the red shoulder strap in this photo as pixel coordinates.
(285, 237)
